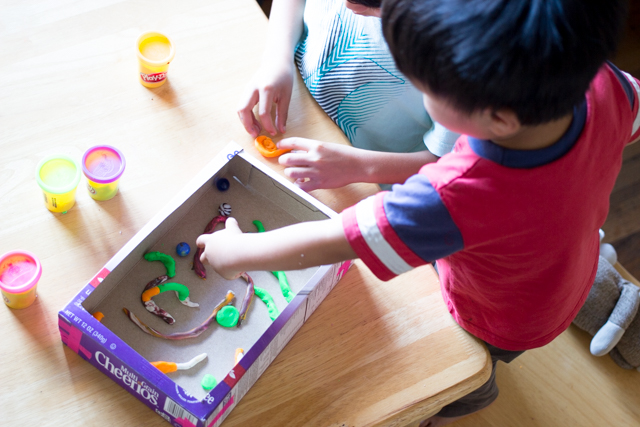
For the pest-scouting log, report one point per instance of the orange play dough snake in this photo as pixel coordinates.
(267, 147)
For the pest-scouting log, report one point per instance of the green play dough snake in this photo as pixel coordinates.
(282, 278)
(181, 290)
(167, 260)
(266, 298)
(284, 285)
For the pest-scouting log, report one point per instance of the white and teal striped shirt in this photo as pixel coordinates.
(347, 66)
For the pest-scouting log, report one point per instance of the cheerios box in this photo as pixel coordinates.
(136, 331)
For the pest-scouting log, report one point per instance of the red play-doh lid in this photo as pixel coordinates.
(19, 271)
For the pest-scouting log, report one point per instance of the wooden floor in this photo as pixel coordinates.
(562, 384)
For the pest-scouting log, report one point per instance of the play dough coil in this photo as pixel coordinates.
(267, 147)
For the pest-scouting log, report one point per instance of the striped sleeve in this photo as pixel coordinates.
(635, 128)
(394, 232)
(631, 88)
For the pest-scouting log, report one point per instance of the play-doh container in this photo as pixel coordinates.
(155, 51)
(103, 165)
(19, 275)
(58, 177)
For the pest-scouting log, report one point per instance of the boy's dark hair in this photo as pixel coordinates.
(534, 57)
(369, 3)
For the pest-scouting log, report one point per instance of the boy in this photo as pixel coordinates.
(512, 214)
(344, 61)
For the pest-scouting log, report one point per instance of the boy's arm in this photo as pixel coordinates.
(273, 80)
(316, 164)
(298, 246)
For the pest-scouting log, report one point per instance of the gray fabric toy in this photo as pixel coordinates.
(610, 315)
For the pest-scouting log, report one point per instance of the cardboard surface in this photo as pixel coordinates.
(258, 199)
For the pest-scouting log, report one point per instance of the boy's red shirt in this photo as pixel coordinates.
(515, 233)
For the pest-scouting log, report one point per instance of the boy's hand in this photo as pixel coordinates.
(315, 164)
(218, 249)
(272, 83)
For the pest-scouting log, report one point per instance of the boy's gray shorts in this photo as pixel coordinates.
(486, 394)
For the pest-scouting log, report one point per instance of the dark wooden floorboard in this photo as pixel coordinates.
(629, 173)
(624, 214)
(622, 227)
(628, 249)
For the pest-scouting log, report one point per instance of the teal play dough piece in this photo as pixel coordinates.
(208, 382)
(266, 298)
(167, 260)
(228, 316)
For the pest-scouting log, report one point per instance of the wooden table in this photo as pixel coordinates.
(374, 353)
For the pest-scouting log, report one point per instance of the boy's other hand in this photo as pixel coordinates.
(271, 84)
(219, 249)
(315, 164)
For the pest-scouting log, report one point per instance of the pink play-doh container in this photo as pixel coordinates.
(103, 165)
(19, 275)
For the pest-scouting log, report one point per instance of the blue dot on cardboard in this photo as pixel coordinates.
(183, 249)
(222, 184)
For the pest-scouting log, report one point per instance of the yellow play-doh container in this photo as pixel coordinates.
(155, 51)
(103, 165)
(58, 176)
(19, 275)
(102, 192)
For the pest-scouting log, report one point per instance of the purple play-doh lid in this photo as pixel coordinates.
(103, 164)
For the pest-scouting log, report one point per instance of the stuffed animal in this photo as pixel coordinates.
(610, 314)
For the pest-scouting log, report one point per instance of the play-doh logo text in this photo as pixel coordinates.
(128, 378)
(153, 78)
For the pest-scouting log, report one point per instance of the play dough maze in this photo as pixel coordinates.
(158, 304)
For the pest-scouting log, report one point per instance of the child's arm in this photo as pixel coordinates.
(319, 164)
(298, 246)
(273, 81)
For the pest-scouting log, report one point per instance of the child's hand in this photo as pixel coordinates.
(272, 83)
(316, 164)
(218, 249)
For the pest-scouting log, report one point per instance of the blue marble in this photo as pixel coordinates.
(222, 184)
(183, 249)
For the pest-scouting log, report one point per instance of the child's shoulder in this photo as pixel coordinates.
(452, 166)
(614, 86)
(613, 98)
